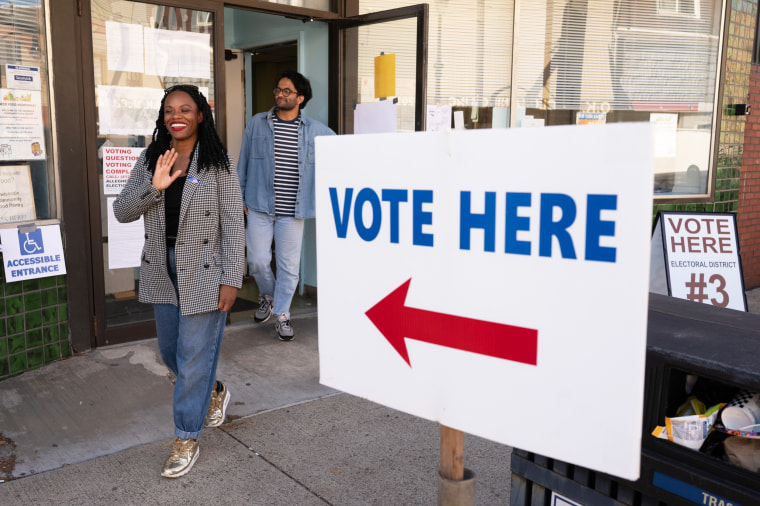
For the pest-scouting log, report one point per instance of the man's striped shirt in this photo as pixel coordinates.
(286, 178)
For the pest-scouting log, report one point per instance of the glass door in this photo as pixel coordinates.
(400, 32)
(138, 50)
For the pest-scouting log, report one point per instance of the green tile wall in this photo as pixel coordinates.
(34, 326)
(741, 36)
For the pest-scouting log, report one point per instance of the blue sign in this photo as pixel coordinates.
(690, 492)
(39, 253)
(30, 243)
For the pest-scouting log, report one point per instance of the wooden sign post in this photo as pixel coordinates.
(456, 485)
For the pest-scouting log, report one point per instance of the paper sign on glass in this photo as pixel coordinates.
(177, 53)
(438, 118)
(20, 77)
(375, 118)
(125, 240)
(117, 166)
(385, 75)
(21, 126)
(124, 43)
(16, 194)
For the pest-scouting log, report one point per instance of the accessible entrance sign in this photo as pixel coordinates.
(32, 252)
(494, 281)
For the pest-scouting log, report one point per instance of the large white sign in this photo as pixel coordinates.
(495, 281)
(32, 254)
(701, 258)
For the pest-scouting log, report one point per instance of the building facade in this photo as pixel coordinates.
(749, 183)
(81, 81)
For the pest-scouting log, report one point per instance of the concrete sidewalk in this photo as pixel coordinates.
(97, 428)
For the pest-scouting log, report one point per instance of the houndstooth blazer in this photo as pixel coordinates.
(210, 246)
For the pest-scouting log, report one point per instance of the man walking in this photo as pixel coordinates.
(276, 173)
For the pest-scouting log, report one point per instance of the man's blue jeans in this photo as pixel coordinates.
(189, 347)
(287, 233)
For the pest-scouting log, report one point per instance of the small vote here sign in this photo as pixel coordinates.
(701, 258)
(495, 281)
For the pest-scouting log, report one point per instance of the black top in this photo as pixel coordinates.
(172, 204)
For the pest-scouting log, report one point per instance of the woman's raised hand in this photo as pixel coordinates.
(162, 176)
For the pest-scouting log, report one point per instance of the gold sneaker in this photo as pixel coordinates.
(217, 407)
(184, 454)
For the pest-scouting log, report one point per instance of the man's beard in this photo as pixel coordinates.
(287, 106)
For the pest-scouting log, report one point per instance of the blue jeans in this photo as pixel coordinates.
(189, 347)
(287, 233)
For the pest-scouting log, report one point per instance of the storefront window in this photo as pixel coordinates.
(139, 50)
(469, 58)
(27, 168)
(581, 63)
(567, 62)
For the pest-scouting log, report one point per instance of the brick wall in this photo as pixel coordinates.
(748, 216)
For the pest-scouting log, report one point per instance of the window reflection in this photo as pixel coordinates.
(655, 62)
(573, 62)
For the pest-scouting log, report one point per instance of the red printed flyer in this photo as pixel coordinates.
(117, 166)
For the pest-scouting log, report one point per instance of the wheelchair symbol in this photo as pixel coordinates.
(31, 242)
(30, 246)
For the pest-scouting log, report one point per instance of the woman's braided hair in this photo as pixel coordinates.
(211, 151)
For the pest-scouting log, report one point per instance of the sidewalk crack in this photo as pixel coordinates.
(281, 470)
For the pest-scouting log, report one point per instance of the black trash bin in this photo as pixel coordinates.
(710, 351)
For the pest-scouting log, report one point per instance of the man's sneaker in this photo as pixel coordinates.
(184, 454)
(264, 311)
(284, 328)
(217, 407)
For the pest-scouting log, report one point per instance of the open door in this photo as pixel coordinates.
(359, 39)
(125, 85)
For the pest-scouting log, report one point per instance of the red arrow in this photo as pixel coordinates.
(397, 321)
